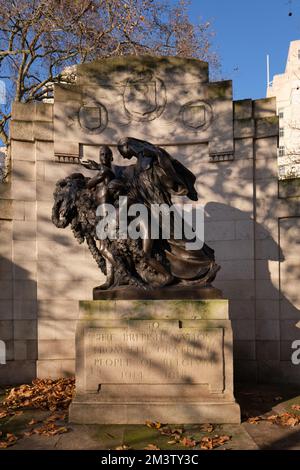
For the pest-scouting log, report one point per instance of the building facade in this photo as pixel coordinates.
(286, 89)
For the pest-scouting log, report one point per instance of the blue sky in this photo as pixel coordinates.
(246, 31)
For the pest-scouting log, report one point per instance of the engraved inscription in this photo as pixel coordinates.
(186, 355)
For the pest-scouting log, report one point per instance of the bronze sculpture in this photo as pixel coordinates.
(144, 263)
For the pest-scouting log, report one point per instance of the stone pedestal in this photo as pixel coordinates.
(159, 360)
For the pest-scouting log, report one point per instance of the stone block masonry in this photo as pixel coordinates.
(230, 146)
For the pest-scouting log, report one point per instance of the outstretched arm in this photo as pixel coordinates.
(90, 164)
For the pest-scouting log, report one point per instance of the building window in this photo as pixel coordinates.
(281, 132)
(281, 113)
(298, 54)
(281, 152)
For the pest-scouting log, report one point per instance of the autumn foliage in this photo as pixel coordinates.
(42, 393)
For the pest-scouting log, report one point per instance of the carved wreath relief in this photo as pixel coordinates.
(144, 99)
(196, 114)
(93, 118)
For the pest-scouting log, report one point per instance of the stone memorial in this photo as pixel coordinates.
(154, 343)
(252, 221)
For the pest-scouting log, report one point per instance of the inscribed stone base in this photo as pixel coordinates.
(158, 360)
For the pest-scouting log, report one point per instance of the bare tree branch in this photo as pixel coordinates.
(8, 52)
(40, 38)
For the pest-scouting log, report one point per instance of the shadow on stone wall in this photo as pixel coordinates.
(18, 323)
(265, 321)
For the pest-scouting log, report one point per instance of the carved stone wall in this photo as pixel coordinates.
(250, 220)
(166, 100)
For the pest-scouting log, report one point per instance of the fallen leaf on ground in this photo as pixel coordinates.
(4, 444)
(10, 437)
(291, 421)
(272, 418)
(123, 447)
(254, 420)
(177, 431)
(223, 439)
(284, 419)
(206, 427)
(296, 407)
(42, 393)
(174, 434)
(151, 447)
(50, 429)
(209, 443)
(153, 424)
(55, 417)
(32, 422)
(60, 430)
(10, 440)
(206, 443)
(4, 414)
(188, 442)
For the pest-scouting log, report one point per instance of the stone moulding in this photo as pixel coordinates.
(67, 158)
(221, 157)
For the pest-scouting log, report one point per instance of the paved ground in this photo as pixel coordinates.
(254, 401)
